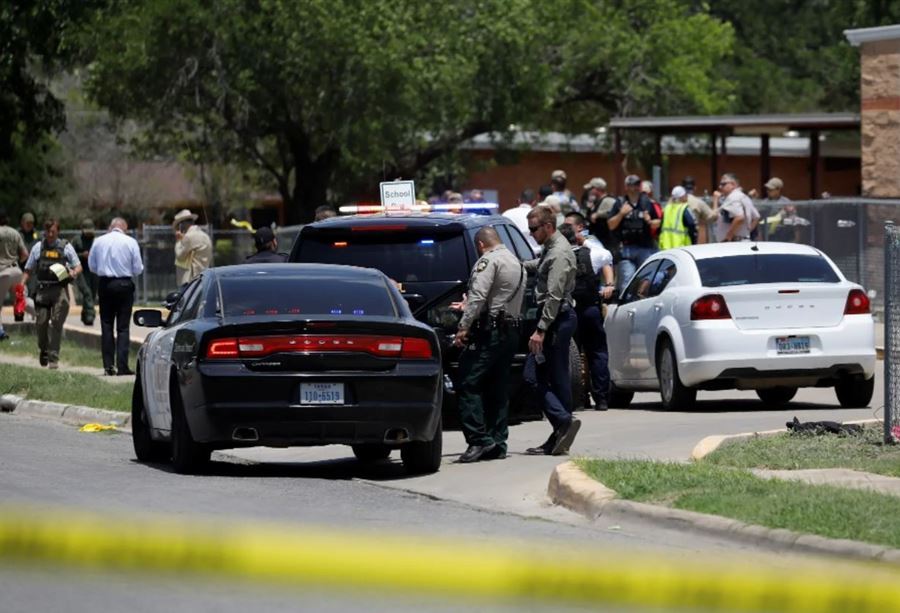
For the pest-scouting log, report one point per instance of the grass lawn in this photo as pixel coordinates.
(70, 352)
(736, 493)
(69, 388)
(792, 452)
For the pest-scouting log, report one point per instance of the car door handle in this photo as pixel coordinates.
(658, 306)
(630, 312)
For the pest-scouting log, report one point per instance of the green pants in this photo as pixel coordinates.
(483, 395)
(86, 286)
(50, 320)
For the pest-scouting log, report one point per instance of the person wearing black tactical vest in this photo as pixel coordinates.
(54, 263)
(590, 335)
(631, 220)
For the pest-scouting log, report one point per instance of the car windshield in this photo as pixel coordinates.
(272, 294)
(403, 257)
(765, 268)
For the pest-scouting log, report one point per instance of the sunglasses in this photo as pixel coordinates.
(724, 183)
(533, 229)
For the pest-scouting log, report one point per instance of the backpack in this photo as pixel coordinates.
(586, 292)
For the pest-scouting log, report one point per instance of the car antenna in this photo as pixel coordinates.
(754, 247)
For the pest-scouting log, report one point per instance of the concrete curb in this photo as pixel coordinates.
(570, 487)
(711, 443)
(66, 413)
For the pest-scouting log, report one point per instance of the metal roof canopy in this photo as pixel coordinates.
(723, 125)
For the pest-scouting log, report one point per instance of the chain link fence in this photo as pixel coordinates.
(230, 246)
(891, 332)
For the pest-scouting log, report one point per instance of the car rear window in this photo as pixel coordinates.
(403, 257)
(765, 268)
(319, 295)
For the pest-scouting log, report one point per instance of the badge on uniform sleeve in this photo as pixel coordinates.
(481, 265)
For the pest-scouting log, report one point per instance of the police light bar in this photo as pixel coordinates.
(357, 209)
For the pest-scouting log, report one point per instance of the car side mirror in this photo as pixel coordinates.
(171, 300)
(148, 318)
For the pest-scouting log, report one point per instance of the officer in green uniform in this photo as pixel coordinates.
(86, 284)
(489, 331)
(55, 264)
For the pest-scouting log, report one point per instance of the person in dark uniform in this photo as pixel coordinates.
(489, 330)
(55, 264)
(86, 284)
(266, 248)
(547, 366)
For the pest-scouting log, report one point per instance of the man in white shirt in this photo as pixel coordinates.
(738, 216)
(519, 216)
(115, 258)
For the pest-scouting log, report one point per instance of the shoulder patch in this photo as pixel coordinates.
(481, 265)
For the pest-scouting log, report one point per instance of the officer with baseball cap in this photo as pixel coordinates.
(266, 248)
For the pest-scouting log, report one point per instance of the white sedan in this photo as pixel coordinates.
(770, 317)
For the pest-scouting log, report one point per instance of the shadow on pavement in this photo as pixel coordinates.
(347, 468)
(735, 406)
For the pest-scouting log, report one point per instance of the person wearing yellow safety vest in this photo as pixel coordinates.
(678, 226)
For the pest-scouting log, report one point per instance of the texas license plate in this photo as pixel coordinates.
(792, 344)
(321, 393)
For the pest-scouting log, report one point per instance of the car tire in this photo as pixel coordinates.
(145, 448)
(577, 376)
(371, 452)
(776, 396)
(673, 394)
(619, 398)
(188, 456)
(423, 457)
(855, 394)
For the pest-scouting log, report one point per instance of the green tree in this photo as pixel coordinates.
(330, 96)
(793, 56)
(35, 41)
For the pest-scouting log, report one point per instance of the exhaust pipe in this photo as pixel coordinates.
(396, 435)
(245, 435)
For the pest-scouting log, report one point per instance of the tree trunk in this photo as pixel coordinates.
(311, 181)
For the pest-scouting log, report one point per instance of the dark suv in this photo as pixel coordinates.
(430, 256)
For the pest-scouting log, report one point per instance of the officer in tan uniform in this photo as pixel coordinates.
(547, 368)
(489, 329)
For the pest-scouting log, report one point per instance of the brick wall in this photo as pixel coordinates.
(880, 104)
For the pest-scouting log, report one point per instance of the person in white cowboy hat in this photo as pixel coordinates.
(193, 248)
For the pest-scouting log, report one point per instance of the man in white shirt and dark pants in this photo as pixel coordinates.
(116, 258)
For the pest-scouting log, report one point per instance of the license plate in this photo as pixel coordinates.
(792, 344)
(321, 393)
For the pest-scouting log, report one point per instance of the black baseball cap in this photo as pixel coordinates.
(263, 236)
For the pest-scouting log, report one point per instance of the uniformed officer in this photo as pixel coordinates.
(266, 248)
(54, 263)
(489, 329)
(547, 367)
(87, 280)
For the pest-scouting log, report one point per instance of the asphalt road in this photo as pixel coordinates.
(55, 466)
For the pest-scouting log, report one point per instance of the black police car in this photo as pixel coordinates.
(430, 256)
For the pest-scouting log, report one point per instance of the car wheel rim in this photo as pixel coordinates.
(667, 375)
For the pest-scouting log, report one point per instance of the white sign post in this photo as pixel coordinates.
(398, 195)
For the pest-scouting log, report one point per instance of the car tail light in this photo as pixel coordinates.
(379, 346)
(857, 303)
(710, 307)
(222, 348)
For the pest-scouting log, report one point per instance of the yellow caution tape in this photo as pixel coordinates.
(96, 427)
(292, 556)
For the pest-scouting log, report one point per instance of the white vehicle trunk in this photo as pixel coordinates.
(798, 305)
